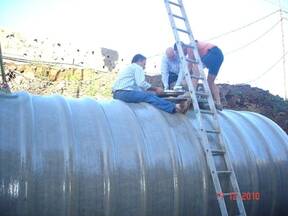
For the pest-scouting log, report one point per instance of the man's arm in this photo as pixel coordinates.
(140, 79)
(164, 72)
(180, 77)
(190, 55)
(181, 74)
(157, 90)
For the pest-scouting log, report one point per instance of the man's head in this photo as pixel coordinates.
(170, 53)
(140, 60)
(184, 47)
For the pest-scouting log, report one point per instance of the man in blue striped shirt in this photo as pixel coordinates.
(131, 87)
(171, 67)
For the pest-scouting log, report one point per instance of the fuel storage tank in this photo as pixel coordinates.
(61, 156)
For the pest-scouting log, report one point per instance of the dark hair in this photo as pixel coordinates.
(137, 58)
(175, 45)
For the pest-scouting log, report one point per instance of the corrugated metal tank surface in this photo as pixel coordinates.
(86, 157)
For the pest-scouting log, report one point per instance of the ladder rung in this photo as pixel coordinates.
(217, 152)
(202, 100)
(224, 172)
(213, 131)
(179, 17)
(207, 112)
(226, 194)
(192, 61)
(197, 77)
(174, 3)
(190, 46)
(202, 93)
(182, 30)
(231, 194)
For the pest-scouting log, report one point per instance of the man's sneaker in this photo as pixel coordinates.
(219, 107)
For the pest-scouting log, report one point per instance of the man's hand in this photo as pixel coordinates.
(158, 90)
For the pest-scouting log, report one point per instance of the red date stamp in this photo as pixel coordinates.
(245, 196)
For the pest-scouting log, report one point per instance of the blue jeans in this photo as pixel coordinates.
(172, 78)
(143, 96)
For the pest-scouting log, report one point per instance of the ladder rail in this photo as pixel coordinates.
(200, 64)
(233, 180)
(183, 68)
(215, 123)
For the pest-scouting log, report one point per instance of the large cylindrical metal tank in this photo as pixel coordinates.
(62, 156)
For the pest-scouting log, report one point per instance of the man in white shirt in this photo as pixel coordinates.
(131, 87)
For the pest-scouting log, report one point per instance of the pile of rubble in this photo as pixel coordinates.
(245, 97)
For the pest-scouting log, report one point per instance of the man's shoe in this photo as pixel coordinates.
(219, 107)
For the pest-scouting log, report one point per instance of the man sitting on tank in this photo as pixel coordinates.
(131, 87)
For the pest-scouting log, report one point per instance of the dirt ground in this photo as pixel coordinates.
(245, 97)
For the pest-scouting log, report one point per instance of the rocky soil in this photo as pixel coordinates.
(245, 97)
(70, 82)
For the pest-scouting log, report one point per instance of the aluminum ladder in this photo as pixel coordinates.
(210, 152)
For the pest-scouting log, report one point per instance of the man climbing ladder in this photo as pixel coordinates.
(211, 56)
(220, 150)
